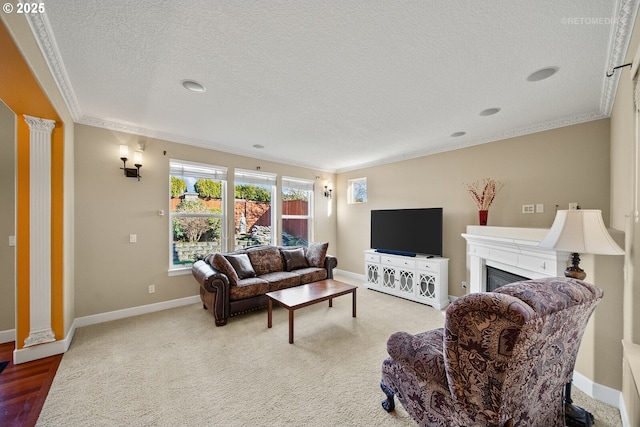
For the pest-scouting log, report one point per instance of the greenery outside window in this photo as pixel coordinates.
(196, 213)
(357, 190)
(254, 222)
(297, 198)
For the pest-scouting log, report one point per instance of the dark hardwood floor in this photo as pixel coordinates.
(24, 388)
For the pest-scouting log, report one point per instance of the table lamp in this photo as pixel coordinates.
(574, 231)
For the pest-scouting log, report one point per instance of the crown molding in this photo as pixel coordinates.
(121, 127)
(43, 34)
(449, 146)
(620, 39)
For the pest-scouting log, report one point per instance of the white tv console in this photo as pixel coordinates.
(420, 278)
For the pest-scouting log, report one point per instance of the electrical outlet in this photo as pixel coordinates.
(527, 209)
(464, 285)
(573, 206)
(133, 238)
(539, 208)
(152, 289)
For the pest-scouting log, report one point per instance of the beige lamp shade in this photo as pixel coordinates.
(580, 230)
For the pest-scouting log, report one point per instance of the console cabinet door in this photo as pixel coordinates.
(427, 287)
(406, 282)
(372, 270)
(389, 278)
(373, 274)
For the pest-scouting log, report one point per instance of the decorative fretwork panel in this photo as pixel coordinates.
(406, 281)
(427, 286)
(389, 277)
(373, 273)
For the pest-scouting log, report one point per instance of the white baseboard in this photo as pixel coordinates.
(597, 391)
(134, 311)
(28, 354)
(7, 336)
(349, 274)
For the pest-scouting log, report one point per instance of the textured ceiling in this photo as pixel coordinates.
(334, 85)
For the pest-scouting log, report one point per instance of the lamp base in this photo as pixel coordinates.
(574, 269)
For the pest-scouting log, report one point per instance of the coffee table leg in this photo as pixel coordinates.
(270, 306)
(330, 302)
(290, 326)
(354, 303)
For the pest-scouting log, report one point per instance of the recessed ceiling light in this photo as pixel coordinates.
(489, 111)
(457, 134)
(193, 86)
(259, 146)
(542, 74)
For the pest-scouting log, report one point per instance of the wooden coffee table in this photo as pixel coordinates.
(304, 295)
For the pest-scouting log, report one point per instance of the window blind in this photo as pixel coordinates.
(253, 177)
(197, 170)
(297, 183)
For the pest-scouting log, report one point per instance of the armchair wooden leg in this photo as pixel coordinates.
(389, 404)
(574, 415)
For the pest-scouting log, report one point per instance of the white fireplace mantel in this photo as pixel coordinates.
(510, 249)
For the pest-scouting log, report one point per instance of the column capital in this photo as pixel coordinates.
(36, 123)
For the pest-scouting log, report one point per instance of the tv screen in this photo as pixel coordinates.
(407, 231)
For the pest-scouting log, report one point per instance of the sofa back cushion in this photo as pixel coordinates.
(316, 253)
(294, 258)
(220, 263)
(242, 265)
(265, 259)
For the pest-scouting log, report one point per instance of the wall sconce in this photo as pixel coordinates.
(327, 192)
(137, 161)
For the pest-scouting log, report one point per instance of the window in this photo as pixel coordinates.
(297, 195)
(196, 195)
(357, 190)
(254, 216)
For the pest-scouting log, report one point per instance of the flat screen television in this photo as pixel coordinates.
(407, 231)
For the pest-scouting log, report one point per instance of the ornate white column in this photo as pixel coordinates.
(40, 231)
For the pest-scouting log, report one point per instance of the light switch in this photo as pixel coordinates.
(539, 208)
(133, 238)
(12, 240)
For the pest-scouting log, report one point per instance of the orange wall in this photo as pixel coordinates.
(23, 95)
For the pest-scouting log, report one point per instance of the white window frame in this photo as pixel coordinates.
(244, 176)
(187, 169)
(351, 190)
(302, 185)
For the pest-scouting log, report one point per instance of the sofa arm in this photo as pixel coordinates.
(216, 283)
(330, 262)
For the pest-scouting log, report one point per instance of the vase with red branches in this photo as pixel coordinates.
(483, 192)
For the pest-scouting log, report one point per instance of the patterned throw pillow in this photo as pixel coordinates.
(221, 264)
(241, 265)
(294, 259)
(316, 253)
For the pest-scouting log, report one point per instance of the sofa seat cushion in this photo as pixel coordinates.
(311, 274)
(265, 259)
(281, 280)
(247, 288)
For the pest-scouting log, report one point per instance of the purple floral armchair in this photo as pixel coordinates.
(502, 359)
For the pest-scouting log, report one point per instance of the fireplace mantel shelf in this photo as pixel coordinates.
(510, 249)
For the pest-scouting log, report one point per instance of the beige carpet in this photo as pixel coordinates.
(176, 368)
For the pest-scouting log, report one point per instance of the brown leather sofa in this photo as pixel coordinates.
(236, 282)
